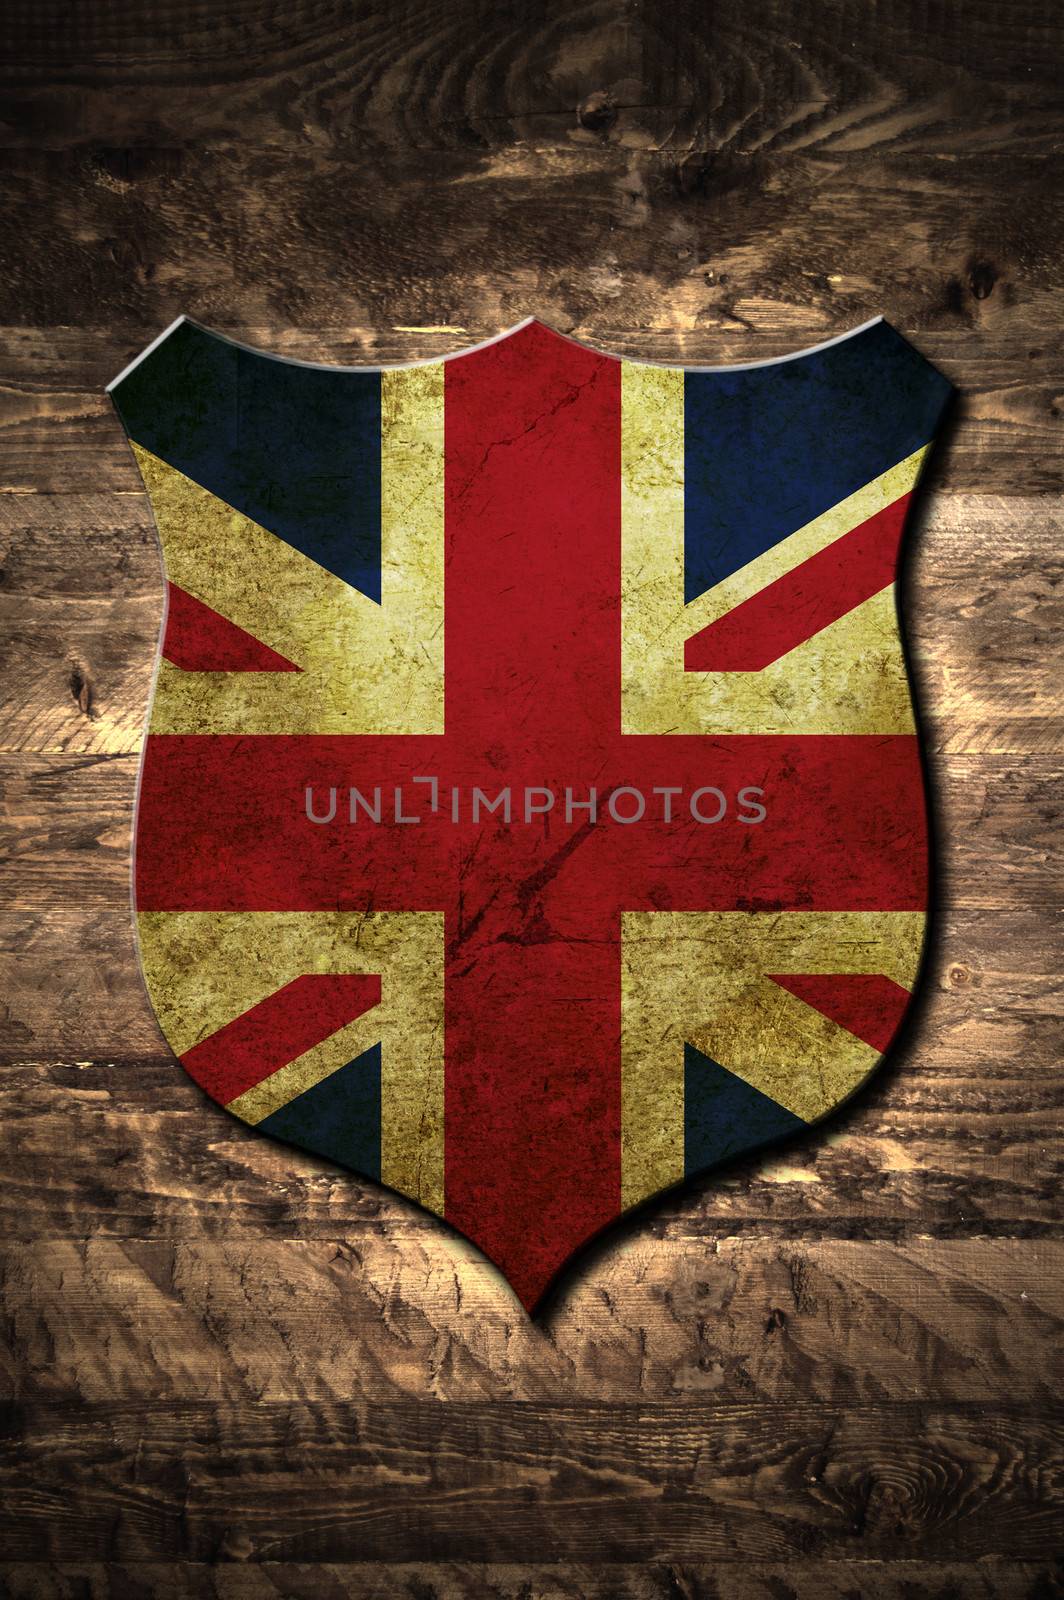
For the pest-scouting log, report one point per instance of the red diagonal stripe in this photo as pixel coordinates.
(199, 639)
(865, 1003)
(278, 1030)
(802, 602)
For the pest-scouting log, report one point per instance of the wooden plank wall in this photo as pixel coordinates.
(233, 1372)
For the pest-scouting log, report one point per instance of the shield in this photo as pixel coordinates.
(531, 813)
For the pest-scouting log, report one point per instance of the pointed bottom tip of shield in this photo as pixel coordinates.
(531, 1294)
(528, 1282)
(536, 1287)
(535, 1266)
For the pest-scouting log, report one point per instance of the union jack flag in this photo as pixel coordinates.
(531, 812)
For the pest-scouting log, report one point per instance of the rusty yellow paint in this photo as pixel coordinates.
(700, 979)
(203, 968)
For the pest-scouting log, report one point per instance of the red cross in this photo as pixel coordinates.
(532, 911)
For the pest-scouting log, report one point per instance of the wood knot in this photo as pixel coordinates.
(82, 690)
(959, 976)
(982, 276)
(692, 175)
(235, 1545)
(597, 113)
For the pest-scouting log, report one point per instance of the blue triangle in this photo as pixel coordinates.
(295, 448)
(767, 449)
(340, 1117)
(723, 1115)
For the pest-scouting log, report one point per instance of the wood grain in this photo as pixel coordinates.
(230, 1371)
(733, 1319)
(695, 1481)
(989, 1579)
(748, 77)
(665, 1580)
(946, 1154)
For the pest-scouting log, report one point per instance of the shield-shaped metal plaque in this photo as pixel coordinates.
(532, 812)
